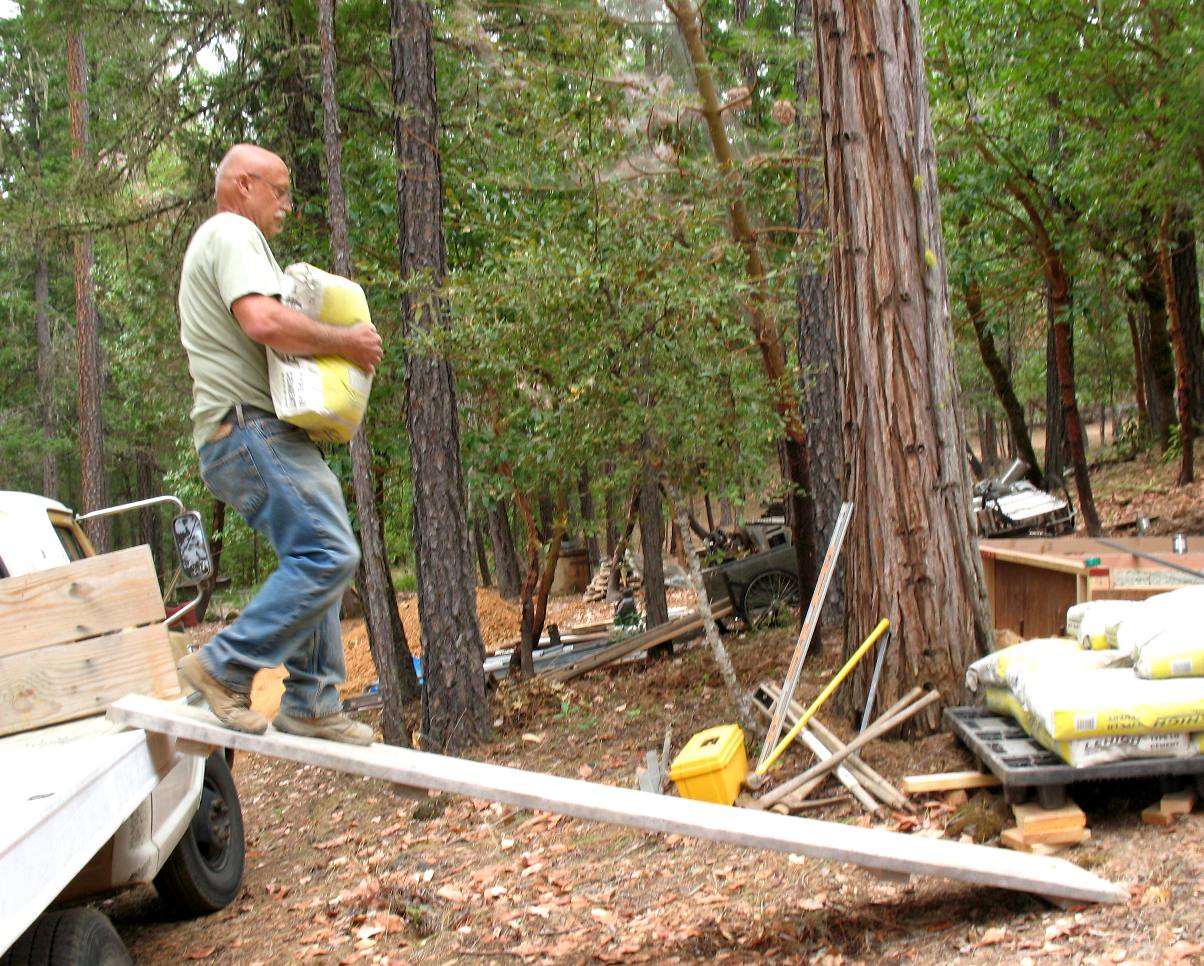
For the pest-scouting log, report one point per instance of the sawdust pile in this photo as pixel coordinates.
(499, 621)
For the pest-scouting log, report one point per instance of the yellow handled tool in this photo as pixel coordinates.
(824, 695)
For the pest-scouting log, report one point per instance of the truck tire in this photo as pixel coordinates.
(204, 872)
(69, 937)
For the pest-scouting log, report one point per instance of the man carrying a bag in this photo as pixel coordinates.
(269, 470)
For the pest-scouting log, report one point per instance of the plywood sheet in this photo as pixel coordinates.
(876, 849)
(62, 682)
(86, 598)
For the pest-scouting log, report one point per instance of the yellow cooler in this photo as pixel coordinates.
(712, 765)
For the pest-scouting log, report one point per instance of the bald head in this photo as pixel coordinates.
(253, 182)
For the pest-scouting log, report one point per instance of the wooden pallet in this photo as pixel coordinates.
(877, 849)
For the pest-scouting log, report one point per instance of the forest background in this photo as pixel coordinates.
(596, 295)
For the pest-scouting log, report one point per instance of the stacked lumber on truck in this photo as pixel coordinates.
(73, 639)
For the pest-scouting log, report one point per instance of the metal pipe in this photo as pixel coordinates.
(136, 505)
(1149, 556)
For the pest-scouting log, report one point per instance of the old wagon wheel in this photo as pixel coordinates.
(771, 599)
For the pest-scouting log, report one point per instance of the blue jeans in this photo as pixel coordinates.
(276, 478)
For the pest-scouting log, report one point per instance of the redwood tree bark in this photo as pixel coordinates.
(455, 709)
(390, 654)
(87, 338)
(910, 553)
(819, 363)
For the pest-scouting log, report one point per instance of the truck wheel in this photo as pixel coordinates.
(69, 937)
(771, 599)
(204, 872)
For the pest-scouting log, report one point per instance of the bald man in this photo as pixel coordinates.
(270, 471)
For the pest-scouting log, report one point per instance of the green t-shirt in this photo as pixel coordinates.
(227, 258)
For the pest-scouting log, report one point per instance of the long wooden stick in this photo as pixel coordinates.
(876, 730)
(803, 644)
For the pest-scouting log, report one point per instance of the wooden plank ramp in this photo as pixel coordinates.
(876, 849)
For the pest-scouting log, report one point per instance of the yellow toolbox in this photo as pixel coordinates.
(712, 765)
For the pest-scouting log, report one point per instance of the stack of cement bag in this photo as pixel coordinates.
(1127, 683)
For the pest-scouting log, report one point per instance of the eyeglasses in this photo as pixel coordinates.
(282, 194)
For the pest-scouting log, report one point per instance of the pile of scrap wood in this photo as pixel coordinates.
(598, 587)
(835, 757)
(683, 626)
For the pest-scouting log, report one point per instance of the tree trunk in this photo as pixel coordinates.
(217, 540)
(1001, 381)
(910, 555)
(741, 700)
(292, 69)
(478, 540)
(45, 330)
(1139, 368)
(656, 608)
(504, 558)
(1060, 308)
(588, 522)
(819, 363)
(391, 655)
(537, 584)
(1055, 419)
(616, 558)
(87, 338)
(150, 530)
(801, 510)
(1187, 298)
(1183, 387)
(1160, 365)
(455, 712)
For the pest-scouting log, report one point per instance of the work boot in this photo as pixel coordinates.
(332, 727)
(231, 708)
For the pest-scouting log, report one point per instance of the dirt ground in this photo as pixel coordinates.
(344, 870)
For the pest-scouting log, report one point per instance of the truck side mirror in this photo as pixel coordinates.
(192, 547)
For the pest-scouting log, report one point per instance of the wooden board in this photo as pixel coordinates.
(1033, 818)
(1032, 582)
(873, 848)
(60, 805)
(687, 624)
(86, 598)
(948, 781)
(62, 682)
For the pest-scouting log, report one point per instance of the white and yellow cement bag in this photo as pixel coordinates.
(325, 395)
(1088, 622)
(1082, 752)
(1112, 701)
(1176, 651)
(1041, 653)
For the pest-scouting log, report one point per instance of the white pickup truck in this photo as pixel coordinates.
(87, 807)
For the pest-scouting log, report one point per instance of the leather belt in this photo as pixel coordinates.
(238, 415)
